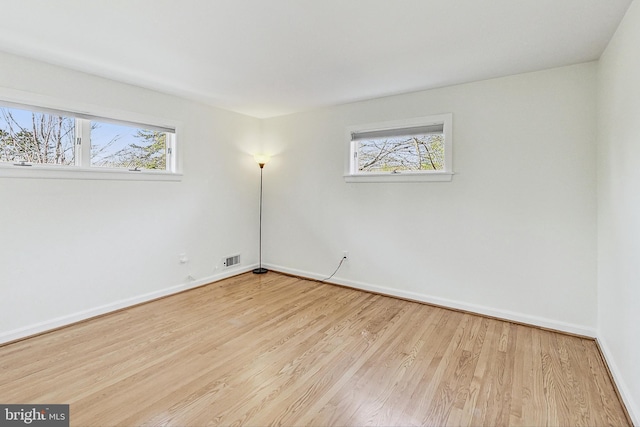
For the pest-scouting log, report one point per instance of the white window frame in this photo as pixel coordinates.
(84, 114)
(352, 174)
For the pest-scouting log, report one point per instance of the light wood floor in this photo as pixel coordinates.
(277, 350)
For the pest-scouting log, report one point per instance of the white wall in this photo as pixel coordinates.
(619, 207)
(514, 233)
(73, 248)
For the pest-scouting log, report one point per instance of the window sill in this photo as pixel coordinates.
(72, 172)
(400, 177)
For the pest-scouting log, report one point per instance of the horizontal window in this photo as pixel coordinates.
(122, 146)
(29, 137)
(407, 150)
(43, 141)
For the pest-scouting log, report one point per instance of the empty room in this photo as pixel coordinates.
(314, 213)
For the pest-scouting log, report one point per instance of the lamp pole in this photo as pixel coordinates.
(261, 162)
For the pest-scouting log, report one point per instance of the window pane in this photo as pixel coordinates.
(401, 153)
(35, 137)
(120, 146)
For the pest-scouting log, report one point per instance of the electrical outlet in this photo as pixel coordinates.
(345, 255)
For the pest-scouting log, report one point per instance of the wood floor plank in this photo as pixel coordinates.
(279, 350)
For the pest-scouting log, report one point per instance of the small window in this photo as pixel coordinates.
(29, 137)
(122, 146)
(408, 150)
(60, 144)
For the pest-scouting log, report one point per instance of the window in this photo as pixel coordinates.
(29, 137)
(44, 142)
(407, 150)
(131, 147)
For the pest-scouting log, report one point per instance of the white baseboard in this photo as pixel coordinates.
(488, 311)
(61, 321)
(619, 380)
(458, 305)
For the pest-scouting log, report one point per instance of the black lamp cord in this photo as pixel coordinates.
(336, 270)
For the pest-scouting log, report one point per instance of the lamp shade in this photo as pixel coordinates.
(261, 159)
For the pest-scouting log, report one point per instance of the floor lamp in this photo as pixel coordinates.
(261, 159)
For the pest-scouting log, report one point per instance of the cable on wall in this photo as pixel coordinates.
(336, 270)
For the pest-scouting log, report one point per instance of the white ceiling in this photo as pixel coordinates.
(270, 57)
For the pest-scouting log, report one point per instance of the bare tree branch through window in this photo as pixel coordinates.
(396, 154)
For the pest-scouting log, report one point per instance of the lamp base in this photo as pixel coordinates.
(260, 270)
